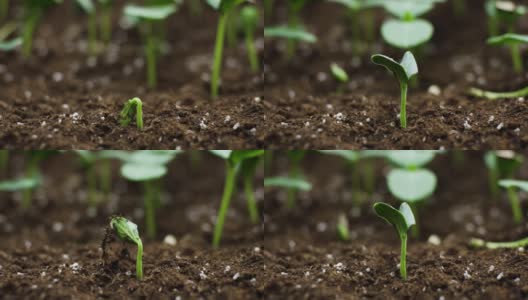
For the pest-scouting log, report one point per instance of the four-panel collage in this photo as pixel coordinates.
(263, 149)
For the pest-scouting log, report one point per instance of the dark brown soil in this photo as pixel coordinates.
(54, 250)
(62, 99)
(305, 260)
(303, 110)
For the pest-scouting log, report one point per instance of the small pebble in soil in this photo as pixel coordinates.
(434, 90)
(491, 268)
(57, 227)
(227, 269)
(236, 126)
(284, 274)
(467, 275)
(169, 240)
(499, 127)
(499, 277)
(339, 266)
(253, 281)
(202, 275)
(256, 249)
(434, 240)
(236, 276)
(517, 280)
(520, 249)
(321, 226)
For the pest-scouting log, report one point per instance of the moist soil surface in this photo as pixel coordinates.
(61, 98)
(54, 250)
(305, 260)
(303, 109)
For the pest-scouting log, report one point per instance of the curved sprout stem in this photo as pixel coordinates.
(139, 260)
(403, 105)
(479, 243)
(128, 113)
(498, 95)
(224, 205)
(515, 205)
(219, 48)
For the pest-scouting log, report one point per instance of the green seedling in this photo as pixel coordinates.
(501, 165)
(149, 18)
(148, 167)
(410, 9)
(401, 220)
(513, 41)
(511, 187)
(342, 228)
(403, 71)
(247, 171)
(294, 22)
(128, 232)
(340, 75)
(249, 16)
(498, 95)
(288, 183)
(133, 107)
(297, 34)
(33, 11)
(21, 184)
(89, 8)
(410, 159)
(225, 9)
(509, 13)
(493, 21)
(234, 160)
(106, 20)
(479, 243)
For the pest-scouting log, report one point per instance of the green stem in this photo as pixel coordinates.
(370, 24)
(252, 53)
(415, 230)
(106, 24)
(224, 205)
(4, 159)
(4, 9)
(139, 260)
(291, 46)
(403, 106)
(368, 175)
(292, 192)
(251, 202)
(27, 194)
(268, 7)
(231, 28)
(459, 7)
(92, 34)
(493, 177)
(106, 176)
(150, 51)
(498, 95)
(219, 47)
(91, 181)
(493, 26)
(515, 204)
(30, 24)
(403, 256)
(516, 58)
(150, 222)
(356, 32)
(478, 243)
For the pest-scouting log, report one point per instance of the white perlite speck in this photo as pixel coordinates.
(169, 240)
(499, 127)
(227, 269)
(434, 90)
(466, 125)
(491, 268)
(467, 275)
(202, 275)
(236, 276)
(235, 127)
(339, 266)
(434, 240)
(499, 277)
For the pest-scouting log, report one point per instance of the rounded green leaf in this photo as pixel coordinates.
(142, 172)
(411, 185)
(152, 157)
(287, 182)
(411, 158)
(158, 12)
(406, 34)
(19, 184)
(520, 184)
(338, 72)
(249, 16)
(403, 71)
(10, 45)
(409, 8)
(401, 219)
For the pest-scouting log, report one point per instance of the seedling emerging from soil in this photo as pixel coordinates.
(340, 75)
(128, 232)
(342, 228)
(501, 165)
(234, 160)
(498, 95)
(514, 41)
(225, 8)
(249, 16)
(89, 8)
(132, 107)
(511, 185)
(149, 17)
(33, 11)
(403, 71)
(479, 243)
(402, 220)
(146, 172)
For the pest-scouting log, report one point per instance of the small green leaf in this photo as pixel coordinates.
(520, 184)
(237, 156)
(508, 39)
(405, 9)
(128, 232)
(505, 161)
(411, 158)
(133, 107)
(342, 227)
(401, 219)
(287, 182)
(338, 72)
(403, 71)
(298, 34)
(249, 16)
(224, 154)
(86, 5)
(10, 45)
(142, 172)
(153, 13)
(152, 157)
(19, 184)
(407, 34)
(411, 185)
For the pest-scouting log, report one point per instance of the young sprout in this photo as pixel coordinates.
(247, 170)
(402, 220)
(234, 160)
(403, 71)
(148, 17)
(225, 8)
(128, 232)
(501, 165)
(511, 185)
(342, 228)
(410, 159)
(33, 11)
(89, 8)
(249, 16)
(132, 107)
(479, 243)
(498, 95)
(514, 41)
(294, 22)
(340, 75)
